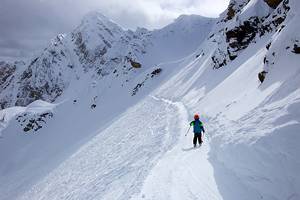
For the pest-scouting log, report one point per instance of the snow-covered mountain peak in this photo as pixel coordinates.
(187, 18)
(189, 22)
(119, 103)
(96, 20)
(97, 31)
(101, 47)
(96, 16)
(192, 18)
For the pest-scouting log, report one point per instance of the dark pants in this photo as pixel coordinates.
(199, 137)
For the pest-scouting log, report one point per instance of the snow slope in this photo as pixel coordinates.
(177, 175)
(253, 128)
(132, 145)
(112, 164)
(90, 101)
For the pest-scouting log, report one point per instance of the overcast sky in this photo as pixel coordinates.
(26, 26)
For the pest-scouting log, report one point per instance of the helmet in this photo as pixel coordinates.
(196, 116)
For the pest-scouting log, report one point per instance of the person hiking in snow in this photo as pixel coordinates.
(198, 129)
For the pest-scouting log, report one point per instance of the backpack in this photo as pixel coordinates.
(198, 126)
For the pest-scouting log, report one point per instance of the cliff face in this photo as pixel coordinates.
(245, 22)
(6, 72)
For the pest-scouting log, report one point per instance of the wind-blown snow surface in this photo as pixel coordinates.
(91, 102)
(133, 147)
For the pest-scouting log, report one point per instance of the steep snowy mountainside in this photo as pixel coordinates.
(99, 47)
(189, 31)
(30, 118)
(253, 127)
(121, 134)
(8, 71)
(93, 74)
(72, 124)
(43, 78)
(98, 31)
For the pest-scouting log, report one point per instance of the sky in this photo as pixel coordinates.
(27, 26)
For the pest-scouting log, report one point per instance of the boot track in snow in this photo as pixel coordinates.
(180, 173)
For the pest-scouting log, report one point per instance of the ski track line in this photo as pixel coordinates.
(116, 162)
(183, 172)
(127, 165)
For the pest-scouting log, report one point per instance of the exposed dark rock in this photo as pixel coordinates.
(62, 53)
(81, 49)
(6, 71)
(34, 61)
(230, 12)
(33, 122)
(296, 49)
(273, 3)
(231, 57)
(136, 88)
(234, 8)
(27, 94)
(4, 104)
(219, 61)
(26, 74)
(151, 75)
(27, 128)
(265, 60)
(240, 37)
(156, 72)
(262, 76)
(135, 64)
(278, 17)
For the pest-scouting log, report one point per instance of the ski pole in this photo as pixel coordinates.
(188, 131)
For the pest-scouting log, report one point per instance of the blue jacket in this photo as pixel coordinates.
(198, 126)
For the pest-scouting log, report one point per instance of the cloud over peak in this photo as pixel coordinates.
(27, 26)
